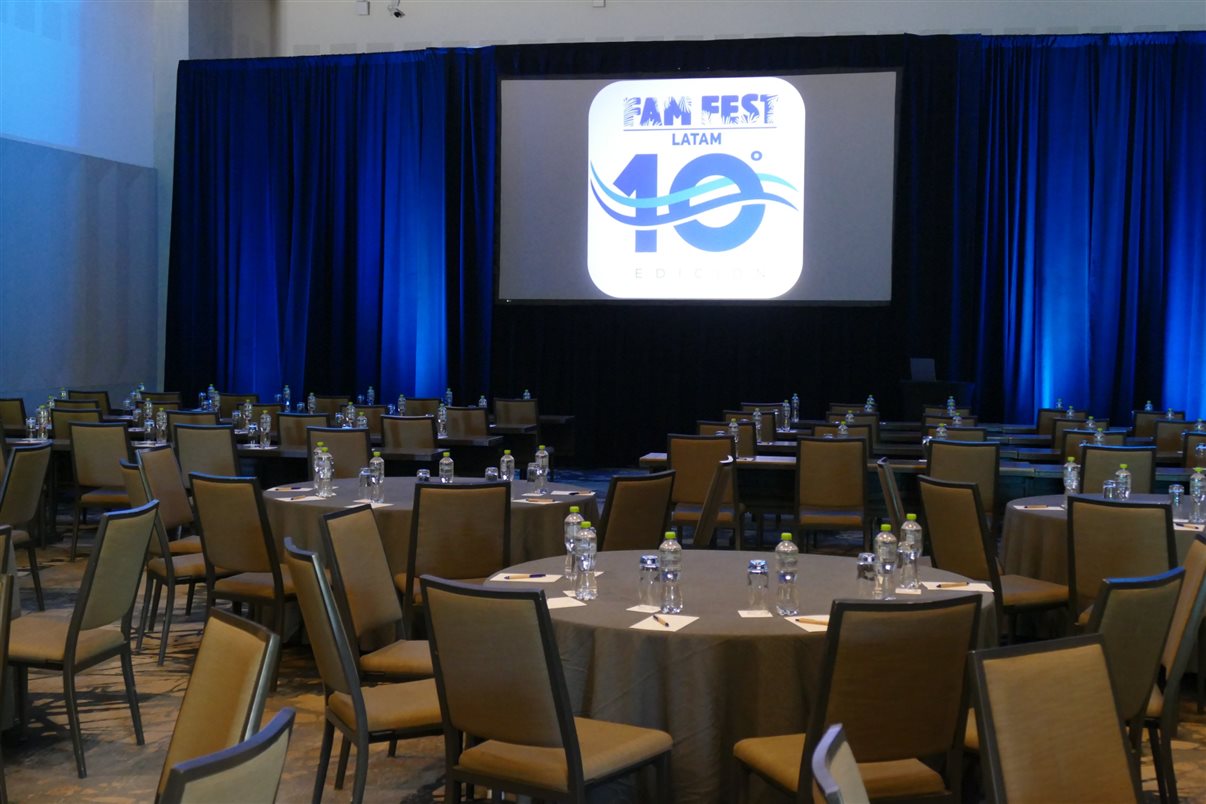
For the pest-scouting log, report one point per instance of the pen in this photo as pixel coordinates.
(660, 620)
(524, 575)
(298, 497)
(809, 620)
(952, 585)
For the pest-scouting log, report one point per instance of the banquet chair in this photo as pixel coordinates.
(229, 400)
(241, 562)
(694, 459)
(1133, 616)
(967, 461)
(1063, 424)
(747, 445)
(163, 569)
(249, 772)
(164, 481)
(978, 434)
(637, 511)
(20, 495)
(99, 399)
(373, 413)
(1189, 445)
(367, 600)
(927, 642)
(12, 416)
(49, 641)
(423, 406)
(1114, 539)
(207, 449)
(835, 770)
(1143, 422)
(862, 431)
(96, 450)
(61, 420)
(274, 411)
(226, 693)
(1074, 439)
(891, 492)
(292, 427)
(331, 404)
(1048, 724)
(1098, 464)
(547, 753)
(408, 432)
(961, 542)
(514, 412)
(721, 490)
(363, 714)
(169, 399)
(348, 446)
(175, 418)
(1167, 435)
(467, 422)
(460, 531)
(1044, 423)
(831, 486)
(78, 404)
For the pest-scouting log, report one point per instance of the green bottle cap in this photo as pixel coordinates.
(671, 535)
(885, 526)
(1122, 466)
(376, 453)
(786, 537)
(506, 452)
(573, 509)
(911, 517)
(586, 524)
(447, 454)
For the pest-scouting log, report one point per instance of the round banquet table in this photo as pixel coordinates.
(537, 529)
(717, 680)
(1034, 541)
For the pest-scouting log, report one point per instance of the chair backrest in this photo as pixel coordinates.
(959, 433)
(171, 399)
(1062, 424)
(78, 404)
(110, 581)
(638, 508)
(721, 489)
(1074, 438)
(1168, 434)
(1133, 616)
(96, 450)
(207, 449)
(229, 400)
(510, 412)
(136, 490)
(1098, 464)
(933, 420)
(468, 422)
(958, 531)
(423, 406)
(694, 459)
(831, 473)
(1189, 446)
(61, 419)
(940, 410)
(12, 415)
(274, 411)
(235, 534)
(891, 492)
(227, 688)
(99, 399)
(1049, 727)
(408, 432)
(770, 418)
(360, 576)
(1115, 539)
(1180, 646)
(349, 448)
(6, 538)
(1045, 423)
(469, 624)
(324, 625)
(747, 441)
(175, 418)
(926, 642)
(835, 770)
(24, 478)
(292, 427)
(330, 403)
(968, 462)
(862, 431)
(458, 530)
(164, 482)
(373, 414)
(249, 772)
(1144, 421)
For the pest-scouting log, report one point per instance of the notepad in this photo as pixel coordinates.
(1040, 507)
(664, 622)
(944, 586)
(526, 577)
(813, 623)
(566, 493)
(301, 498)
(564, 602)
(753, 613)
(535, 500)
(645, 609)
(363, 501)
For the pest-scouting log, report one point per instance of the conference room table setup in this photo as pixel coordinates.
(715, 673)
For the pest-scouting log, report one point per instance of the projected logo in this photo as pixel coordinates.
(696, 188)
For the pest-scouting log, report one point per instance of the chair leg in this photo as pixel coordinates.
(324, 759)
(166, 631)
(155, 605)
(662, 767)
(188, 603)
(362, 760)
(32, 552)
(75, 530)
(127, 671)
(345, 748)
(73, 721)
(1154, 737)
(393, 747)
(742, 780)
(144, 613)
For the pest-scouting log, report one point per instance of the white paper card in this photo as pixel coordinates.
(293, 488)
(900, 591)
(362, 501)
(664, 622)
(748, 613)
(805, 622)
(645, 609)
(943, 586)
(568, 493)
(301, 498)
(564, 603)
(526, 577)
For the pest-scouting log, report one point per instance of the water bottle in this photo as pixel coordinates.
(1199, 454)
(785, 412)
(1168, 414)
(757, 425)
(1071, 477)
(287, 398)
(377, 467)
(1099, 437)
(956, 420)
(757, 586)
(361, 421)
(843, 429)
(542, 461)
(869, 405)
(161, 426)
(886, 554)
(506, 466)
(311, 404)
(1071, 411)
(448, 397)
(850, 417)
(326, 471)
(941, 431)
(795, 407)
(649, 591)
(787, 556)
(735, 437)
(1197, 496)
(527, 394)
(248, 409)
(442, 421)
(1199, 427)
(316, 456)
(908, 551)
(1148, 405)
(1091, 423)
(215, 399)
(401, 404)
(1197, 482)
(670, 558)
(586, 585)
(573, 523)
(481, 401)
(371, 396)
(950, 406)
(446, 468)
(349, 414)
(1122, 478)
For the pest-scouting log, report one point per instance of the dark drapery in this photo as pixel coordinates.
(333, 227)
